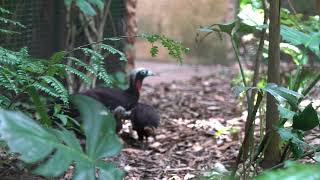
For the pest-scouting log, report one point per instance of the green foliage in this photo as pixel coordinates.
(7, 21)
(86, 6)
(283, 95)
(300, 36)
(295, 140)
(20, 71)
(306, 120)
(175, 49)
(296, 37)
(119, 80)
(293, 171)
(60, 147)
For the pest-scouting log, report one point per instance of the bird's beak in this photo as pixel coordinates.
(150, 73)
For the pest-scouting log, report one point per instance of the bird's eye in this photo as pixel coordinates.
(143, 72)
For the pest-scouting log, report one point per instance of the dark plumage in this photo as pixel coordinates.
(120, 114)
(112, 97)
(128, 98)
(144, 120)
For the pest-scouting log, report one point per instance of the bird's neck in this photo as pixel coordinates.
(135, 88)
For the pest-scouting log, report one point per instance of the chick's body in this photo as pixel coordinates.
(144, 120)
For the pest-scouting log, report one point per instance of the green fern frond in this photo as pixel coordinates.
(33, 67)
(94, 55)
(78, 73)
(4, 11)
(80, 63)
(113, 50)
(4, 101)
(9, 57)
(57, 86)
(103, 75)
(8, 32)
(9, 21)
(46, 90)
(7, 79)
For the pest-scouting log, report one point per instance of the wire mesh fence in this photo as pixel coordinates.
(44, 22)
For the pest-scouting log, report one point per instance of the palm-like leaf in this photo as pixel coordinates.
(35, 143)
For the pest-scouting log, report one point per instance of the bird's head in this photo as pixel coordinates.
(119, 113)
(137, 75)
(150, 131)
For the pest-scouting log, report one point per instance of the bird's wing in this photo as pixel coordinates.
(110, 97)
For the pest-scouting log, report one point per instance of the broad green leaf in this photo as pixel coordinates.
(285, 113)
(60, 147)
(298, 145)
(297, 55)
(306, 120)
(293, 171)
(282, 94)
(109, 171)
(86, 7)
(240, 89)
(63, 118)
(229, 28)
(95, 125)
(295, 37)
(297, 150)
(251, 17)
(98, 3)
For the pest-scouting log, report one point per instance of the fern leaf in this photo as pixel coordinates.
(9, 57)
(7, 79)
(47, 90)
(4, 101)
(57, 86)
(94, 55)
(8, 32)
(78, 73)
(80, 63)
(4, 11)
(113, 50)
(103, 75)
(9, 21)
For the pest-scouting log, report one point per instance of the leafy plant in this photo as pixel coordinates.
(293, 171)
(4, 20)
(298, 38)
(57, 149)
(176, 49)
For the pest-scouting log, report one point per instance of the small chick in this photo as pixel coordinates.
(120, 114)
(145, 120)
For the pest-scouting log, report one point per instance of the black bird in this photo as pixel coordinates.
(120, 114)
(112, 97)
(145, 120)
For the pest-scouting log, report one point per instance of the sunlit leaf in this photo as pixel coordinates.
(60, 147)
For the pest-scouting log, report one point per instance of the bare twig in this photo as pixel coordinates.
(246, 137)
(256, 76)
(292, 7)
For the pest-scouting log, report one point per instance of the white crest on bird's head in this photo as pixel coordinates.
(141, 71)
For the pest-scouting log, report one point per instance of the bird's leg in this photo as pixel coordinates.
(145, 143)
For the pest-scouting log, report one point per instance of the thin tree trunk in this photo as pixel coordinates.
(131, 31)
(272, 153)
